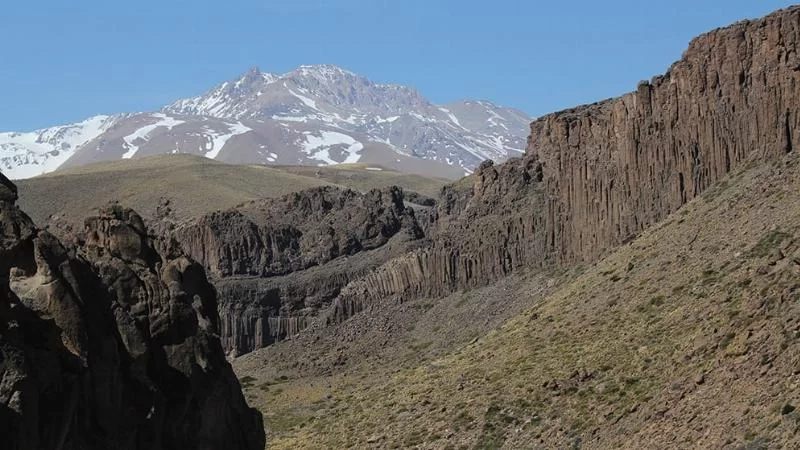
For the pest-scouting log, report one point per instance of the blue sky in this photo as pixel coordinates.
(63, 61)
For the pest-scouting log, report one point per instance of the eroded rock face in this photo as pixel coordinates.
(300, 230)
(485, 228)
(592, 178)
(277, 262)
(111, 345)
(614, 168)
(596, 176)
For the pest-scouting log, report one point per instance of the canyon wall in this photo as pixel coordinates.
(277, 262)
(295, 232)
(596, 176)
(616, 167)
(592, 178)
(111, 344)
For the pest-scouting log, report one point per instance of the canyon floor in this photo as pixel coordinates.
(684, 337)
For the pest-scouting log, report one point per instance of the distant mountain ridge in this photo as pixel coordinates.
(313, 115)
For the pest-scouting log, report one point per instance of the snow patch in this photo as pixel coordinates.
(306, 101)
(318, 147)
(380, 119)
(290, 119)
(219, 140)
(143, 133)
(452, 116)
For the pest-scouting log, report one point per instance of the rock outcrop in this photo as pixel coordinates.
(277, 262)
(592, 178)
(616, 167)
(297, 231)
(595, 176)
(112, 344)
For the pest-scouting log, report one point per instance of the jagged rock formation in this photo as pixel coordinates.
(112, 344)
(296, 232)
(595, 176)
(592, 178)
(617, 167)
(481, 233)
(277, 261)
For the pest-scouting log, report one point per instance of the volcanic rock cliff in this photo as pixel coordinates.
(592, 178)
(112, 344)
(595, 176)
(276, 262)
(616, 167)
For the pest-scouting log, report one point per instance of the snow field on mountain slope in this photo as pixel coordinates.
(143, 133)
(318, 147)
(218, 141)
(26, 155)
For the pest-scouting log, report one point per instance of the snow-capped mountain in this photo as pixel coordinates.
(25, 155)
(314, 115)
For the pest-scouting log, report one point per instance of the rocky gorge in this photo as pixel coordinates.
(592, 178)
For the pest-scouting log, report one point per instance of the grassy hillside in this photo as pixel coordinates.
(194, 185)
(366, 176)
(685, 337)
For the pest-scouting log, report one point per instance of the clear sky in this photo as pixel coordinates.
(62, 61)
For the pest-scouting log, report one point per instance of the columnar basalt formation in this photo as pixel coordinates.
(112, 344)
(277, 262)
(616, 167)
(485, 228)
(595, 176)
(592, 178)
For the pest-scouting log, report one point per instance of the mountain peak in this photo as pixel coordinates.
(315, 114)
(326, 73)
(325, 69)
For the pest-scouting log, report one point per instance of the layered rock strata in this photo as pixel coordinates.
(595, 176)
(592, 178)
(277, 262)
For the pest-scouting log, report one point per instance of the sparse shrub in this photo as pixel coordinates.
(246, 381)
(769, 241)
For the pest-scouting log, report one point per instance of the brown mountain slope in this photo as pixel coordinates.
(596, 176)
(193, 185)
(593, 179)
(686, 337)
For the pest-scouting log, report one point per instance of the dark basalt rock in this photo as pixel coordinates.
(277, 262)
(592, 179)
(8, 191)
(112, 344)
(596, 176)
(298, 231)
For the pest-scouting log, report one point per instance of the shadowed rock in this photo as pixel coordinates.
(276, 262)
(111, 345)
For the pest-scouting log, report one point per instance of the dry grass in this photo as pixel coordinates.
(686, 337)
(361, 177)
(194, 185)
